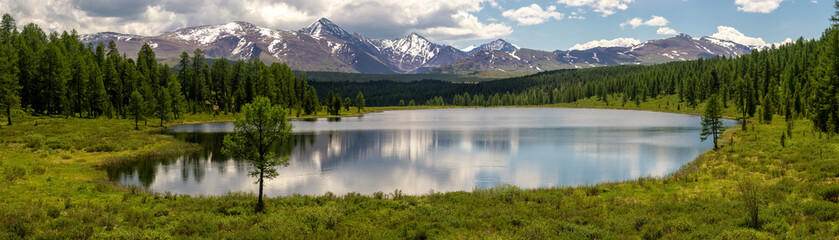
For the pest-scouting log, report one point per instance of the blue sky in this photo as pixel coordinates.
(791, 19)
(545, 25)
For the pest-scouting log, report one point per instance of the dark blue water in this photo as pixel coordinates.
(441, 150)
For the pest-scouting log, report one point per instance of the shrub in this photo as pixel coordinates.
(138, 216)
(823, 210)
(102, 148)
(750, 194)
(195, 224)
(379, 195)
(829, 193)
(39, 169)
(744, 233)
(65, 228)
(53, 211)
(35, 141)
(13, 173)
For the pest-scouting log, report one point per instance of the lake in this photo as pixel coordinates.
(418, 151)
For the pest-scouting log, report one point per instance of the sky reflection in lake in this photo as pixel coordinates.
(442, 150)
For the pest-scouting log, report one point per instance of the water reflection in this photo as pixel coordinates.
(443, 150)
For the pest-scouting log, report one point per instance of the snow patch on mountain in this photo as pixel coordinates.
(617, 42)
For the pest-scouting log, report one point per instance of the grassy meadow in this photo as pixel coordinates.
(54, 187)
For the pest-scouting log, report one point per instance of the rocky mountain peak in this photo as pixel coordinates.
(324, 27)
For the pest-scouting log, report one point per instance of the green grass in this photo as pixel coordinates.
(53, 187)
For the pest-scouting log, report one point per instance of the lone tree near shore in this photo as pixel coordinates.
(259, 126)
(711, 121)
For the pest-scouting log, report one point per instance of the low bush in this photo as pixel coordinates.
(829, 193)
(823, 210)
(102, 148)
(13, 173)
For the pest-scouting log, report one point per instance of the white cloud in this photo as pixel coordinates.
(468, 28)
(617, 42)
(757, 6)
(532, 15)
(732, 34)
(666, 31)
(655, 21)
(605, 7)
(376, 18)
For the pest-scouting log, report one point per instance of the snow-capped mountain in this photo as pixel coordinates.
(325, 46)
(525, 61)
(497, 45)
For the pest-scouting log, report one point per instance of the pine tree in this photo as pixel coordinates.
(164, 105)
(55, 74)
(711, 121)
(347, 103)
(221, 74)
(136, 108)
(178, 99)
(359, 102)
(9, 87)
(97, 95)
(336, 104)
(330, 102)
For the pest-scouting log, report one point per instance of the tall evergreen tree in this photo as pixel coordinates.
(178, 99)
(221, 83)
(136, 108)
(98, 101)
(359, 102)
(9, 87)
(164, 105)
(712, 120)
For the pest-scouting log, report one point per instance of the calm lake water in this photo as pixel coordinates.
(441, 150)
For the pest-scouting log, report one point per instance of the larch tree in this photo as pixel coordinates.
(359, 102)
(712, 120)
(259, 126)
(347, 103)
(136, 106)
(164, 105)
(9, 86)
(178, 99)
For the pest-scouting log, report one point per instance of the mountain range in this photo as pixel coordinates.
(324, 46)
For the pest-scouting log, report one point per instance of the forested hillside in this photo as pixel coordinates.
(57, 74)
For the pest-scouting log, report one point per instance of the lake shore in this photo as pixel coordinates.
(62, 193)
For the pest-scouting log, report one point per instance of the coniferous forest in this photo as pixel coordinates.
(75, 123)
(57, 74)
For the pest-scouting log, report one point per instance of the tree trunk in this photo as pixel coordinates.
(260, 206)
(136, 124)
(9, 114)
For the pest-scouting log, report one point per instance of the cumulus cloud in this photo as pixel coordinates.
(376, 18)
(732, 34)
(532, 15)
(655, 21)
(604, 7)
(468, 28)
(666, 31)
(757, 6)
(617, 42)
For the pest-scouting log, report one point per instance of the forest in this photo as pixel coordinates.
(57, 74)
